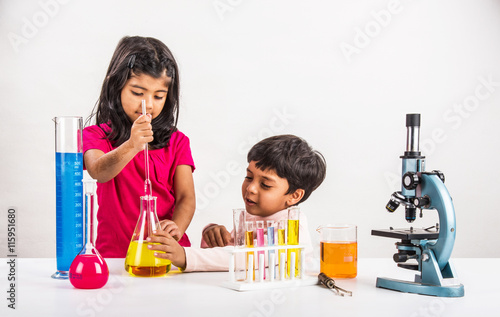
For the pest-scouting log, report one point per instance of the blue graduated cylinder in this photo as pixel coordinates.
(69, 208)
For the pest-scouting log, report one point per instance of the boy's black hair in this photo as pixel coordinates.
(291, 158)
(138, 55)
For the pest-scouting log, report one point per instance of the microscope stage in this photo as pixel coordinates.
(408, 234)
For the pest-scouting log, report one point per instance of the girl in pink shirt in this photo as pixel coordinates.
(140, 69)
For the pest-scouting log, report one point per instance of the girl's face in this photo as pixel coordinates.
(144, 87)
(264, 192)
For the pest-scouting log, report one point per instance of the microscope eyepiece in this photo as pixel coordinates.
(412, 135)
(413, 120)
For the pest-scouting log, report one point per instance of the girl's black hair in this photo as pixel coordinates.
(137, 55)
(292, 159)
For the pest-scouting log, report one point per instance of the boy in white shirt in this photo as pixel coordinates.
(282, 172)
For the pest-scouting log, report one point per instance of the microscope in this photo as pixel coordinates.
(430, 247)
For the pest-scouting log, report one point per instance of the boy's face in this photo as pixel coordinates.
(264, 192)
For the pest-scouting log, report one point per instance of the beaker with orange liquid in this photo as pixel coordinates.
(339, 251)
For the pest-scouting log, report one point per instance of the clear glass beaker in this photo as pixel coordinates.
(69, 192)
(140, 260)
(89, 270)
(339, 250)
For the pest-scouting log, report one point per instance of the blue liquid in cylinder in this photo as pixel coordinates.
(69, 208)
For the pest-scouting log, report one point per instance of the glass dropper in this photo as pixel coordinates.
(148, 191)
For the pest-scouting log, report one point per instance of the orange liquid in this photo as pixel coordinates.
(339, 259)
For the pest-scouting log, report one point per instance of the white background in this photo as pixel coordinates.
(341, 74)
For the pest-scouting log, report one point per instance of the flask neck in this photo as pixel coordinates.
(148, 221)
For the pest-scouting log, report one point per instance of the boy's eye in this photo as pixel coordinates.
(265, 186)
(136, 93)
(248, 178)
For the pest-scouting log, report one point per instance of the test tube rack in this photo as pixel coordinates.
(271, 279)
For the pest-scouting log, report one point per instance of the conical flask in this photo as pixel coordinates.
(140, 261)
(88, 269)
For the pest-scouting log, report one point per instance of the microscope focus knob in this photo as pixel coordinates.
(410, 180)
(439, 174)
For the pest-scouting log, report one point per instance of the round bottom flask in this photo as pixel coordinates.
(89, 270)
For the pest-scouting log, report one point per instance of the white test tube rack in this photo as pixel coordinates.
(276, 273)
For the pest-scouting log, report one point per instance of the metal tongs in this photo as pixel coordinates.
(330, 284)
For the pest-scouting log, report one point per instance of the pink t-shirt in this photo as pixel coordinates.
(119, 198)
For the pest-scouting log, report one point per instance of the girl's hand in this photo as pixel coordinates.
(141, 133)
(171, 249)
(171, 228)
(216, 236)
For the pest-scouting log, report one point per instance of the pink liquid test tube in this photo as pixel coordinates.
(260, 242)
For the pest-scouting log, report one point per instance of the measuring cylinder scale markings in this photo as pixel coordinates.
(69, 192)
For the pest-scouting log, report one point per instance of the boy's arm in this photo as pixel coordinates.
(215, 235)
(189, 259)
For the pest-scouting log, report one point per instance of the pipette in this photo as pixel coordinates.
(147, 183)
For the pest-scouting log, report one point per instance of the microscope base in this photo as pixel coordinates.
(419, 288)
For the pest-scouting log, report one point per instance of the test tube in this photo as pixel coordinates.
(250, 255)
(293, 239)
(239, 215)
(260, 243)
(271, 256)
(282, 252)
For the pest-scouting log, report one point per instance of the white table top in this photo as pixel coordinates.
(201, 294)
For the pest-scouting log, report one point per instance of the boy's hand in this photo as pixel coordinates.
(171, 228)
(173, 251)
(217, 236)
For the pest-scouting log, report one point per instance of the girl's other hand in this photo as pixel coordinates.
(217, 236)
(169, 247)
(141, 132)
(171, 228)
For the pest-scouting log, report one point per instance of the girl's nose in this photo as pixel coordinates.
(149, 104)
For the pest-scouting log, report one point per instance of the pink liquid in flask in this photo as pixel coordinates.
(88, 271)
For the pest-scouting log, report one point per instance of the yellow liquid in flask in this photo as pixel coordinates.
(140, 261)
